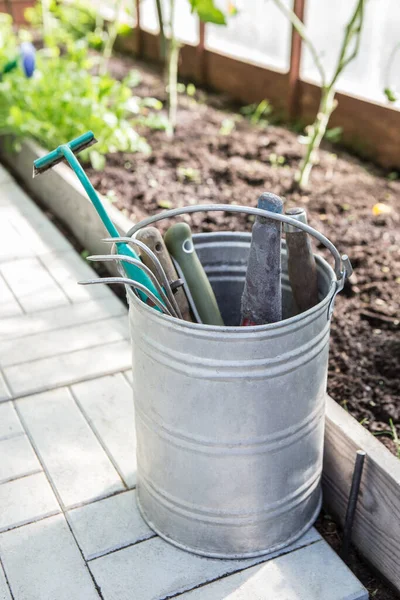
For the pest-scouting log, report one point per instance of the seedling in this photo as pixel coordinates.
(257, 113)
(188, 174)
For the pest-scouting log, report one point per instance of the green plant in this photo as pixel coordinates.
(62, 22)
(389, 92)
(64, 99)
(257, 113)
(188, 174)
(392, 433)
(170, 47)
(348, 52)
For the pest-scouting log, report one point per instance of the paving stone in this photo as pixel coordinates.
(4, 590)
(70, 315)
(25, 500)
(129, 376)
(62, 341)
(73, 458)
(68, 268)
(312, 573)
(108, 525)
(43, 562)
(17, 458)
(30, 222)
(108, 405)
(8, 303)
(13, 246)
(5, 177)
(4, 391)
(32, 284)
(9, 423)
(155, 569)
(66, 369)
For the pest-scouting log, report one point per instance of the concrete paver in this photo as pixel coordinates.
(9, 423)
(61, 341)
(313, 573)
(63, 316)
(107, 403)
(32, 284)
(17, 458)
(65, 369)
(156, 569)
(25, 500)
(108, 525)
(71, 449)
(43, 562)
(4, 589)
(4, 391)
(74, 460)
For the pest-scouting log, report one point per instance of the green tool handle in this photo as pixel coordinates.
(153, 240)
(178, 240)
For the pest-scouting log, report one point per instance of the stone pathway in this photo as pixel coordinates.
(69, 526)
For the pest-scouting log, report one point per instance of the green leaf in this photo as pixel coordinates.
(97, 161)
(390, 95)
(208, 12)
(123, 29)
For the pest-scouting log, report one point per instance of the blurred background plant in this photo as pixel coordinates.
(71, 91)
(207, 12)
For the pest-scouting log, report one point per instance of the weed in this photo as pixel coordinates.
(276, 160)
(188, 174)
(227, 126)
(257, 113)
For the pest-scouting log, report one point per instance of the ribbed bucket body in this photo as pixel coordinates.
(230, 420)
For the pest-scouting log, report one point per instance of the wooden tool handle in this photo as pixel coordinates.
(178, 240)
(154, 241)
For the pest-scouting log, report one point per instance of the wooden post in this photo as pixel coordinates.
(201, 53)
(295, 60)
(138, 31)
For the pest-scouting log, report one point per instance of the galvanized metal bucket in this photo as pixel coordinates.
(230, 420)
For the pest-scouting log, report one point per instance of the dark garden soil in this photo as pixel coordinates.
(201, 166)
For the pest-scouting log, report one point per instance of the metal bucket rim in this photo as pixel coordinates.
(236, 329)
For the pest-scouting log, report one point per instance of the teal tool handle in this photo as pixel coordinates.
(178, 240)
(67, 151)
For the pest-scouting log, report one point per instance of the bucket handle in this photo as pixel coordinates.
(343, 268)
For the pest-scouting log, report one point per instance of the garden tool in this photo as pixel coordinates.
(138, 263)
(67, 152)
(153, 239)
(262, 295)
(160, 274)
(302, 269)
(131, 282)
(178, 240)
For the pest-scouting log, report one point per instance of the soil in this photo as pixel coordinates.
(201, 166)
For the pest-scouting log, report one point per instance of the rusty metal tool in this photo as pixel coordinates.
(262, 296)
(302, 268)
(154, 240)
(352, 503)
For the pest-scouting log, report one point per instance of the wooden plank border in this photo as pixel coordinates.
(295, 62)
(376, 531)
(371, 129)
